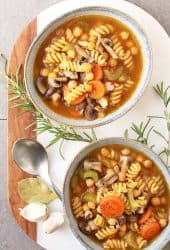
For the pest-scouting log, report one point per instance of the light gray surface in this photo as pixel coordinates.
(14, 15)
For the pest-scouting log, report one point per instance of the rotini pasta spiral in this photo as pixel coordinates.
(133, 171)
(71, 66)
(156, 186)
(141, 242)
(97, 57)
(115, 244)
(69, 36)
(75, 93)
(116, 95)
(57, 45)
(55, 58)
(141, 183)
(117, 46)
(77, 207)
(119, 187)
(134, 227)
(128, 60)
(105, 232)
(101, 30)
(128, 84)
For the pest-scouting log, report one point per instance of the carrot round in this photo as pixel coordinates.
(112, 206)
(78, 100)
(151, 230)
(98, 89)
(145, 216)
(97, 71)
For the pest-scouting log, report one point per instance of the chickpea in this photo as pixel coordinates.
(71, 53)
(136, 192)
(140, 158)
(77, 31)
(89, 182)
(84, 37)
(163, 200)
(110, 171)
(112, 62)
(85, 207)
(134, 50)
(44, 72)
(124, 35)
(89, 76)
(52, 75)
(72, 84)
(105, 152)
(91, 205)
(163, 222)
(129, 44)
(91, 45)
(155, 201)
(125, 151)
(147, 163)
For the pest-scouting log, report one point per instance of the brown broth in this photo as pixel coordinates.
(152, 171)
(87, 22)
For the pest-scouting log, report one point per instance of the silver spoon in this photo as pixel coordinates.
(32, 158)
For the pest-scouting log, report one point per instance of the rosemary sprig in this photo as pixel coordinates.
(143, 131)
(20, 99)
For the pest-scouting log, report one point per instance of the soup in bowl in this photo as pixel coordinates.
(116, 196)
(88, 67)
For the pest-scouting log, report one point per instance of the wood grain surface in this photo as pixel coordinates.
(16, 129)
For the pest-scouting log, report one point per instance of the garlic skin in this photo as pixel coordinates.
(34, 212)
(54, 221)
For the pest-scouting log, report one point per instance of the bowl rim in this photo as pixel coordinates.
(126, 107)
(94, 145)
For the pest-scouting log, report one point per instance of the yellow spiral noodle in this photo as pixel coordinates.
(115, 244)
(98, 58)
(128, 84)
(71, 66)
(141, 183)
(133, 171)
(156, 186)
(77, 207)
(54, 58)
(101, 30)
(141, 242)
(69, 36)
(105, 232)
(128, 60)
(120, 187)
(75, 93)
(57, 45)
(116, 95)
(134, 227)
(117, 46)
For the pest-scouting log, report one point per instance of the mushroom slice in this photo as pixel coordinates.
(108, 48)
(90, 113)
(41, 85)
(71, 75)
(34, 212)
(107, 180)
(95, 165)
(54, 221)
(49, 92)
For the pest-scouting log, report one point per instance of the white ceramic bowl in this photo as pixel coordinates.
(145, 75)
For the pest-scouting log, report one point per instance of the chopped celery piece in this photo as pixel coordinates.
(91, 174)
(89, 197)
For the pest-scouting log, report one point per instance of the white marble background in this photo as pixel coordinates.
(14, 15)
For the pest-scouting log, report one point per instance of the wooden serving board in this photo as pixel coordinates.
(16, 128)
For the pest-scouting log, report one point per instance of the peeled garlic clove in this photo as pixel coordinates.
(34, 212)
(55, 220)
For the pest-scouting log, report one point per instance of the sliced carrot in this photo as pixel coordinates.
(112, 206)
(98, 89)
(145, 216)
(97, 71)
(74, 112)
(78, 100)
(151, 230)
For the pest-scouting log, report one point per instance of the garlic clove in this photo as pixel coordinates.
(34, 212)
(54, 221)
